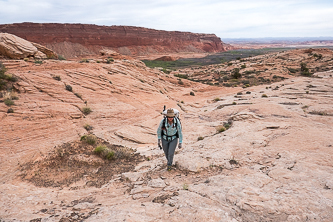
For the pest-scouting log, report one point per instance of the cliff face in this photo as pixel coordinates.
(82, 39)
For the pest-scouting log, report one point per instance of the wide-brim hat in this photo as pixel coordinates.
(170, 113)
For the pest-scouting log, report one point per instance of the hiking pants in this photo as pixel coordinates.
(169, 148)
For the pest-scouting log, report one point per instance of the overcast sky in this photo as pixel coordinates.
(225, 18)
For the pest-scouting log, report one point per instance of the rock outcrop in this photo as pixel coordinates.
(15, 47)
(78, 39)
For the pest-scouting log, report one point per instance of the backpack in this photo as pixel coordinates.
(176, 124)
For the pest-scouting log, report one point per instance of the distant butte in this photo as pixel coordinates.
(73, 40)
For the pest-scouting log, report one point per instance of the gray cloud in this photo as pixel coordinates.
(225, 18)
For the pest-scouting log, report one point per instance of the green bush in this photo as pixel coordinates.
(38, 62)
(305, 70)
(87, 127)
(109, 60)
(9, 102)
(243, 66)
(182, 76)
(264, 96)
(235, 73)
(220, 129)
(90, 139)
(86, 110)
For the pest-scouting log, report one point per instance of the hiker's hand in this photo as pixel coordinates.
(159, 143)
(179, 145)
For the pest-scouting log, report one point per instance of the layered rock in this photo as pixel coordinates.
(15, 47)
(78, 39)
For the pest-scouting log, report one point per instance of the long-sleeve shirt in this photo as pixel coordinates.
(171, 130)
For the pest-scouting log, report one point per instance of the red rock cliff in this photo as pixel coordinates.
(84, 39)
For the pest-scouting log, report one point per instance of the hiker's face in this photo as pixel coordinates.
(170, 119)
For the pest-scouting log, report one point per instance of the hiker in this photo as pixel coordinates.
(168, 133)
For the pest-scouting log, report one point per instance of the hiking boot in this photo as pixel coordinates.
(169, 168)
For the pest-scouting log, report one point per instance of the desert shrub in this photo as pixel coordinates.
(166, 71)
(200, 138)
(192, 93)
(217, 99)
(235, 73)
(234, 103)
(185, 187)
(226, 126)
(239, 93)
(305, 70)
(292, 70)
(226, 78)
(109, 60)
(10, 110)
(182, 76)
(69, 88)
(38, 62)
(58, 78)
(86, 110)
(220, 129)
(264, 96)
(243, 66)
(105, 152)
(180, 82)
(9, 102)
(90, 139)
(61, 57)
(87, 127)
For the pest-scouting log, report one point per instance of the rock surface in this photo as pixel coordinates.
(272, 163)
(81, 39)
(15, 47)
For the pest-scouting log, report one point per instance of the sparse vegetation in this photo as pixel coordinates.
(264, 96)
(182, 76)
(69, 88)
(8, 102)
(236, 74)
(185, 186)
(58, 78)
(305, 70)
(200, 138)
(217, 99)
(38, 62)
(90, 139)
(109, 60)
(220, 129)
(10, 110)
(192, 93)
(86, 110)
(87, 127)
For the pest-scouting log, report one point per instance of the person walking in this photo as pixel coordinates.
(168, 133)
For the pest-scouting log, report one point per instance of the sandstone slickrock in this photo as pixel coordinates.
(14, 47)
(274, 162)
